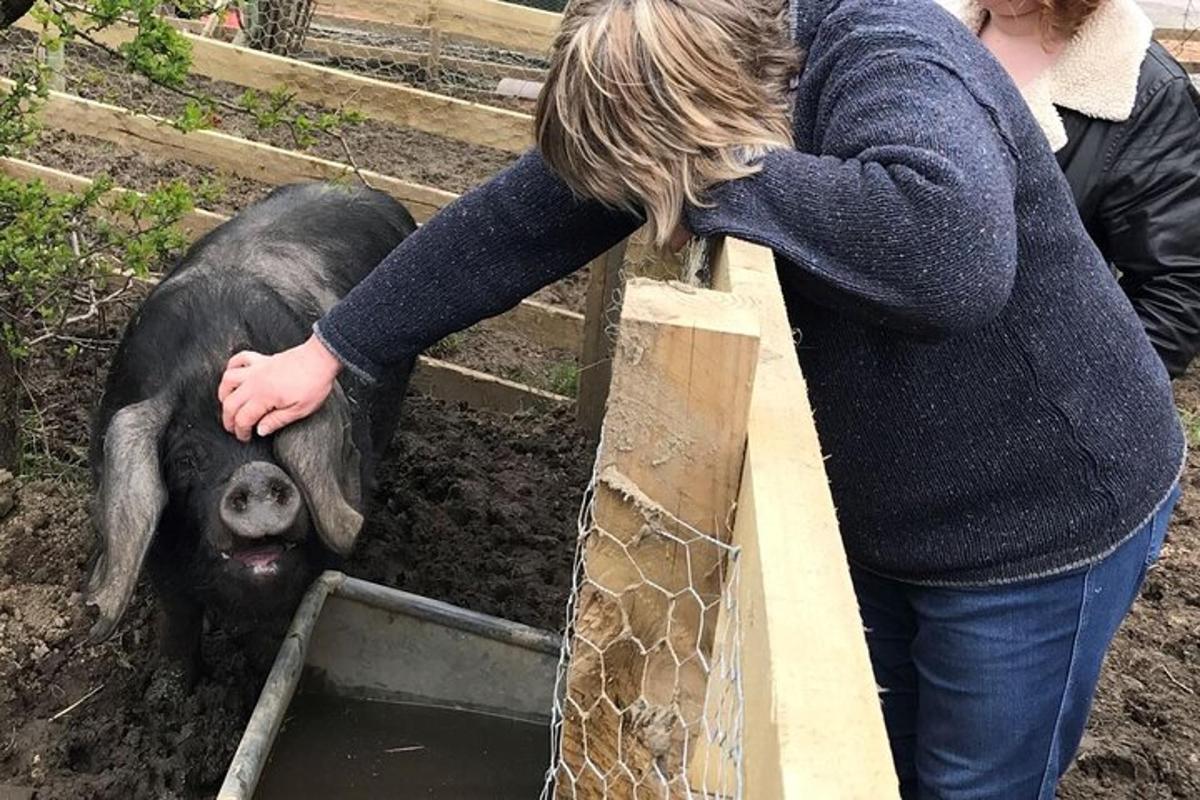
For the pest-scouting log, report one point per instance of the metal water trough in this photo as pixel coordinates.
(363, 641)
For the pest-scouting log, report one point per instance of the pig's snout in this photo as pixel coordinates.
(260, 501)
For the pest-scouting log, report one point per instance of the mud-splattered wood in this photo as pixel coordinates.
(603, 308)
(814, 727)
(654, 558)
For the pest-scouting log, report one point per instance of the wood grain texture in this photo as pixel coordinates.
(814, 726)
(668, 472)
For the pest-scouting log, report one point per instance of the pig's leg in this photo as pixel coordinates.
(180, 625)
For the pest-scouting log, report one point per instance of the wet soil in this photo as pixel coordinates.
(1143, 740)
(475, 509)
(390, 149)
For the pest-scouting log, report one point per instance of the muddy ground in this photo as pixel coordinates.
(472, 508)
(478, 510)
(475, 509)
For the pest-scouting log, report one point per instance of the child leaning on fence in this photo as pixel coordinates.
(1002, 443)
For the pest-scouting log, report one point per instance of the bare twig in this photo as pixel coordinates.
(94, 307)
(77, 703)
(350, 158)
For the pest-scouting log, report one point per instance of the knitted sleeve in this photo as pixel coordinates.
(903, 217)
(478, 257)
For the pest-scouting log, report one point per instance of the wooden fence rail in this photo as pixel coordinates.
(503, 25)
(812, 723)
(544, 324)
(330, 88)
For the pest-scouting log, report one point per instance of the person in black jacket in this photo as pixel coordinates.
(1124, 120)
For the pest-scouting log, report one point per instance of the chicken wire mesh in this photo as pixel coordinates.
(401, 44)
(649, 696)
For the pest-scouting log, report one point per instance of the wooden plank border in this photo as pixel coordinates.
(502, 25)
(458, 384)
(544, 324)
(242, 157)
(804, 654)
(332, 48)
(1184, 46)
(449, 117)
(655, 553)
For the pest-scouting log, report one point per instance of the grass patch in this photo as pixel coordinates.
(449, 347)
(564, 378)
(1191, 426)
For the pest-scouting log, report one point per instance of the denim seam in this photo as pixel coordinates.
(1070, 679)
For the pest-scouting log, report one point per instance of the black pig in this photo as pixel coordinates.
(238, 530)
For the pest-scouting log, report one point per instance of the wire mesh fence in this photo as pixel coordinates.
(403, 43)
(649, 699)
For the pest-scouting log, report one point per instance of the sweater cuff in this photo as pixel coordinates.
(361, 367)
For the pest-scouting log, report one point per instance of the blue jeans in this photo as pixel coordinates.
(986, 691)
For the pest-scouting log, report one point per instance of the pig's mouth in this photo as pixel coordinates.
(260, 556)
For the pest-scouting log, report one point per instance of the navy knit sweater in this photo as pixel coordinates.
(988, 402)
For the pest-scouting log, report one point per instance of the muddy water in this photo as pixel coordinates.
(354, 750)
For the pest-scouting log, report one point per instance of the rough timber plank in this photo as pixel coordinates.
(452, 118)
(605, 282)
(504, 25)
(814, 725)
(447, 381)
(653, 562)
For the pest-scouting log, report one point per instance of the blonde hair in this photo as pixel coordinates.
(648, 103)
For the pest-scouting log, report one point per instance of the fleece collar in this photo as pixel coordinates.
(1097, 73)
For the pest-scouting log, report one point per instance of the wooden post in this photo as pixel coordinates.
(434, 69)
(653, 560)
(605, 282)
(813, 719)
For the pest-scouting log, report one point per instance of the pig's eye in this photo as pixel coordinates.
(188, 457)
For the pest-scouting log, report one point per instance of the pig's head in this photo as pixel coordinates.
(247, 525)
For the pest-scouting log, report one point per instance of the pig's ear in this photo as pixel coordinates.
(130, 499)
(319, 454)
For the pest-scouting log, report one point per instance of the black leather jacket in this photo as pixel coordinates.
(1137, 185)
